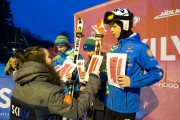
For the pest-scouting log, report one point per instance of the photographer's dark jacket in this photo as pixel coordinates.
(34, 98)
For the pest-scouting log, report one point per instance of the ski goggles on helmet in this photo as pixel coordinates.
(112, 17)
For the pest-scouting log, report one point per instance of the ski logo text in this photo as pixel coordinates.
(19, 112)
(168, 13)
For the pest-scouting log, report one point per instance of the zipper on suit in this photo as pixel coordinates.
(119, 49)
(126, 100)
(112, 98)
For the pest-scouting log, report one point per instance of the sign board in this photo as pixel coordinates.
(158, 23)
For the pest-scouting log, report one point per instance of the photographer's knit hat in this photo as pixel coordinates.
(61, 40)
(89, 44)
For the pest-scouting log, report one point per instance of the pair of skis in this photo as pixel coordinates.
(99, 35)
(79, 36)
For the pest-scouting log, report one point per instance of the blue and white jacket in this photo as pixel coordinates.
(139, 59)
(59, 60)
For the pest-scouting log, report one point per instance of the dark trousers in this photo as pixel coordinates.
(98, 115)
(112, 115)
(76, 94)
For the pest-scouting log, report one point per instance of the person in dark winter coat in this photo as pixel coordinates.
(39, 92)
(142, 68)
(97, 111)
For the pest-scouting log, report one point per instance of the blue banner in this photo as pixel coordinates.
(6, 87)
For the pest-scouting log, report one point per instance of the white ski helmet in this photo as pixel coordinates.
(120, 15)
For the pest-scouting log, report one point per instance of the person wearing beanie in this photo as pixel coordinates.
(97, 111)
(66, 52)
(142, 68)
(62, 40)
(89, 44)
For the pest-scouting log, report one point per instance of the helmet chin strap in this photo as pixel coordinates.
(125, 34)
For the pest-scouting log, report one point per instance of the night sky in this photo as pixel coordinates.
(47, 18)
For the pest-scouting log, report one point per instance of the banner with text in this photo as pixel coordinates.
(158, 23)
(6, 87)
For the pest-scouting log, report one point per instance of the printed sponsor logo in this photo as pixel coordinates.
(164, 41)
(94, 27)
(136, 19)
(129, 49)
(149, 53)
(167, 85)
(4, 114)
(4, 98)
(20, 112)
(168, 13)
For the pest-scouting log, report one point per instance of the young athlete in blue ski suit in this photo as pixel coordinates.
(66, 52)
(123, 103)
